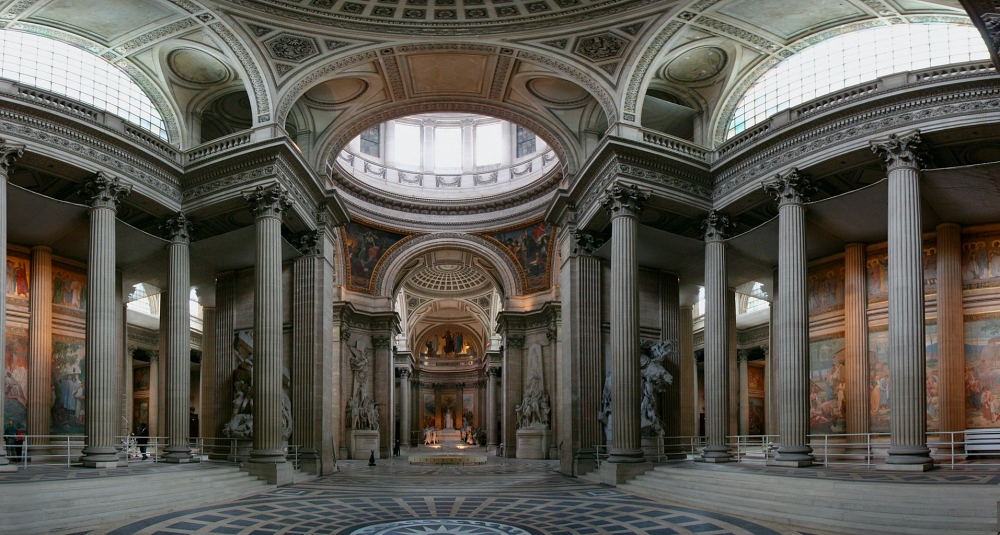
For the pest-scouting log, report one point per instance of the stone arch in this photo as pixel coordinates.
(394, 266)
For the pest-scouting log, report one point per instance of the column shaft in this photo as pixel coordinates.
(733, 410)
(178, 353)
(491, 407)
(225, 358)
(40, 342)
(626, 381)
(7, 155)
(267, 439)
(687, 376)
(856, 338)
(950, 328)
(405, 402)
(907, 397)
(716, 354)
(304, 355)
(670, 401)
(212, 398)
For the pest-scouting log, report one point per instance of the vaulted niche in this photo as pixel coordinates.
(448, 156)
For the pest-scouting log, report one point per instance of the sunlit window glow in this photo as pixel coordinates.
(408, 144)
(448, 148)
(77, 74)
(488, 144)
(854, 58)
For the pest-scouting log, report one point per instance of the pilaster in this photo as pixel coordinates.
(8, 153)
(950, 328)
(40, 342)
(856, 366)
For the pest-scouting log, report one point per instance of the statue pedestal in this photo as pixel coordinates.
(361, 443)
(449, 435)
(533, 443)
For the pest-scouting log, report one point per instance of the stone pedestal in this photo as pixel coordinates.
(361, 443)
(533, 443)
(615, 474)
(279, 474)
(239, 451)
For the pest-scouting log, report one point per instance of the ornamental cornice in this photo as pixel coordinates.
(66, 136)
(144, 340)
(753, 336)
(862, 122)
(426, 224)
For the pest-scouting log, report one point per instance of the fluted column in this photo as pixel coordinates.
(742, 356)
(307, 354)
(688, 375)
(225, 357)
(907, 366)
(670, 327)
(950, 328)
(791, 190)
(405, 402)
(102, 193)
(177, 230)
(856, 338)
(154, 391)
(40, 342)
(717, 227)
(491, 407)
(733, 373)
(8, 153)
(268, 204)
(212, 397)
(581, 337)
(624, 205)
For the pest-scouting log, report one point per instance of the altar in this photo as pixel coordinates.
(445, 436)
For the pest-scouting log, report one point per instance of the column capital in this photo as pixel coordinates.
(790, 188)
(268, 201)
(624, 201)
(310, 243)
(8, 153)
(103, 191)
(901, 150)
(717, 226)
(177, 228)
(381, 342)
(492, 372)
(515, 341)
(585, 243)
(405, 373)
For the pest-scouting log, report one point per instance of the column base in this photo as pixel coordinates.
(715, 454)
(279, 474)
(180, 459)
(922, 467)
(267, 456)
(789, 463)
(100, 457)
(626, 456)
(615, 474)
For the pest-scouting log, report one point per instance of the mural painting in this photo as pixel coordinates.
(981, 259)
(755, 403)
(449, 342)
(827, 409)
(429, 411)
(140, 413)
(878, 381)
(140, 379)
(756, 406)
(982, 372)
(69, 288)
(18, 270)
(68, 372)
(933, 401)
(930, 265)
(468, 410)
(364, 247)
(531, 247)
(826, 287)
(15, 387)
(878, 275)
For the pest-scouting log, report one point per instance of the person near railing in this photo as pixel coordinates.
(18, 450)
(142, 440)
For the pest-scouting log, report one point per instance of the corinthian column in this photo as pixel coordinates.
(102, 193)
(491, 407)
(267, 460)
(717, 227)
(951, 335)
(907, 366)
(856, 339)
(8, 153)
(40, 342)
(177, 337)
(624, 205)
(405, 402)
(792, 326)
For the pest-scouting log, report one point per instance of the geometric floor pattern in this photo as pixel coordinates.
(503, 497)
(968, 474)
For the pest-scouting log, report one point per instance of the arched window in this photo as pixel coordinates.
(77, 74)
(854, 58)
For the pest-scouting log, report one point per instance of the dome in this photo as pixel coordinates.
(448, 278)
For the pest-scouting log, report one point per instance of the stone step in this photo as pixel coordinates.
(841, 506)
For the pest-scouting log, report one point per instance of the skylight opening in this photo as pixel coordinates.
(854, 58)
(408, 145)
(448, 148)
(77, 74)
(488, 144)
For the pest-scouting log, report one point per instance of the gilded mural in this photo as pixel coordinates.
(826, 287)
(18, 271)
(448, 343)
(879, 379)
(69, 287)
(16, 378)
(982, 372)
(981, 259)
(68, 372)
(878, 271)
(531, 248)
(826, 390)
(364, 247)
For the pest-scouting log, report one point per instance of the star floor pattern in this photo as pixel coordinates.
(500, 498)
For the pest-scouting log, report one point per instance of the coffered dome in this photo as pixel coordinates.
(449, 278)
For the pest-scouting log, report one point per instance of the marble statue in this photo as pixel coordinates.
(361, 408)
(533, 412)
(430, 436)
(449, 420)
(655, 379)
(241, 423)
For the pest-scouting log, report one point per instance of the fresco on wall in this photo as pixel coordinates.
(878, 275)
(531, 248)
(448, 342)
(756, 406)
(755, 380)
(826, 287)
(468, 409)
(931, 378)
(18, 270)
(140, 379)
(364, 247)
(982, 372)
(69, 288)
(930, 265)
(68, 372)
(981, 259)
(429, 410)
(826, 389)
(878, 381)
(15, 400)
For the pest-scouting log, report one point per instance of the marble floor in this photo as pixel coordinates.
(503, 497)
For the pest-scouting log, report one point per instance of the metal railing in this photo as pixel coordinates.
(44, 450)
(746, 448)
